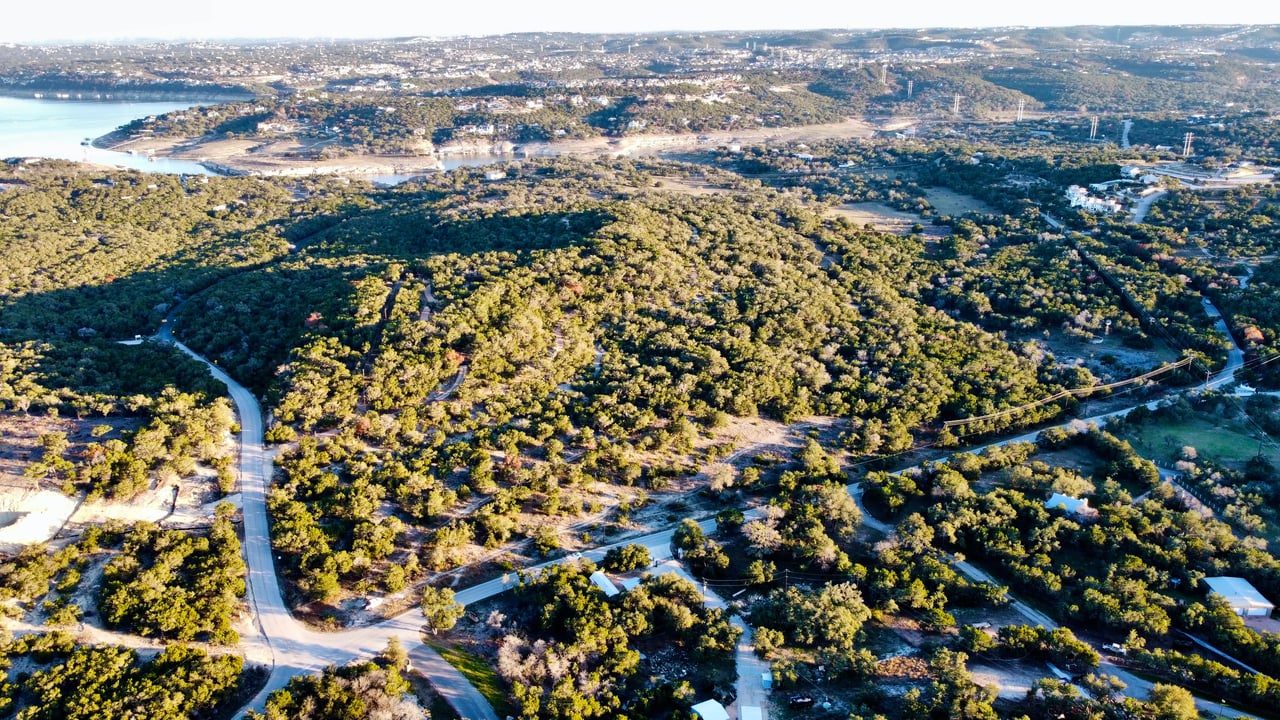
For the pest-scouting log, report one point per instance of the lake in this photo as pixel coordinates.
(32, 127)
(55, 128)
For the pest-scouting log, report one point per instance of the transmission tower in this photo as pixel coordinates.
(1021, 105)
(1186, 144)
(1093, 128)
(911, 86)
(955, 105)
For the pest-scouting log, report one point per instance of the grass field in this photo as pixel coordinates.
(950, 202)
(1230, 442)
(480, 674)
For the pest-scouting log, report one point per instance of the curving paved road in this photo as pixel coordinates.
(296, 649)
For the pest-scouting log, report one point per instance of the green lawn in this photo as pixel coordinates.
(1229, 442)
(480, 674)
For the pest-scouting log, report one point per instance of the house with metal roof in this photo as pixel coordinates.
(710, 710)
(1241, 596)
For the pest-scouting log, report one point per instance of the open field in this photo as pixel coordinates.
(950, 202)
(690, 186)
(1228, 441)
(884, 218)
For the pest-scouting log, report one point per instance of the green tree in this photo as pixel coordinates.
(440, 609)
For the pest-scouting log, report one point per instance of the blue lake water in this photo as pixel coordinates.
(50, 128)
(54, 128)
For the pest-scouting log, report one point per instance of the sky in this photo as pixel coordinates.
(94, 20)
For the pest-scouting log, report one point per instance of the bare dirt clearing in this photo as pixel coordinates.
(885, 218)
(33, 511)
(1012, 680)
(691, 186)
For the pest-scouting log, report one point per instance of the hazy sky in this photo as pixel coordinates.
(78, 20)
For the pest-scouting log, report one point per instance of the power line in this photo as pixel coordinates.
(1075, 392)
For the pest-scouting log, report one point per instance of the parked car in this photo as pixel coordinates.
(800, 700)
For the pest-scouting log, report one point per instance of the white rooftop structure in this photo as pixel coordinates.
(603, 582)
(750, 712)
(1241, 595)
(710, 710)
(1075, 506)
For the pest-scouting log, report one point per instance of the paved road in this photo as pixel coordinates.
(750, 689)
(296, 649)
(1144, 206)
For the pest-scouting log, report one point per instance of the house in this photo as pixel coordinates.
(1074, 506)
(603, 582)
(1241, 596)
(710, 710)
(1079, 197)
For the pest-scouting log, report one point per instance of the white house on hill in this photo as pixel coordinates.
(1241, 595)
(1075, 506)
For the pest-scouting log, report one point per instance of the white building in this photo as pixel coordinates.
(603, 582)
(1241, 595)
(710, 710)
(1079, 197)
(1074, 506)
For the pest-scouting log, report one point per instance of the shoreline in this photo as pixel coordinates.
(116, 95)
(275, 156)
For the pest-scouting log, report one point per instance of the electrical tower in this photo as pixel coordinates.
(911, 86)
(955, 105)
(1021, 105)
(884, 75)
(1093, 128)
(1186, 144)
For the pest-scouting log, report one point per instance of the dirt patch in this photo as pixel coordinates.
(689, 186)
(1106, 356)
(1263, 624)
(900, 668)
(31, 516)
(879, 215)
(1011, 680)
(20, 440)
